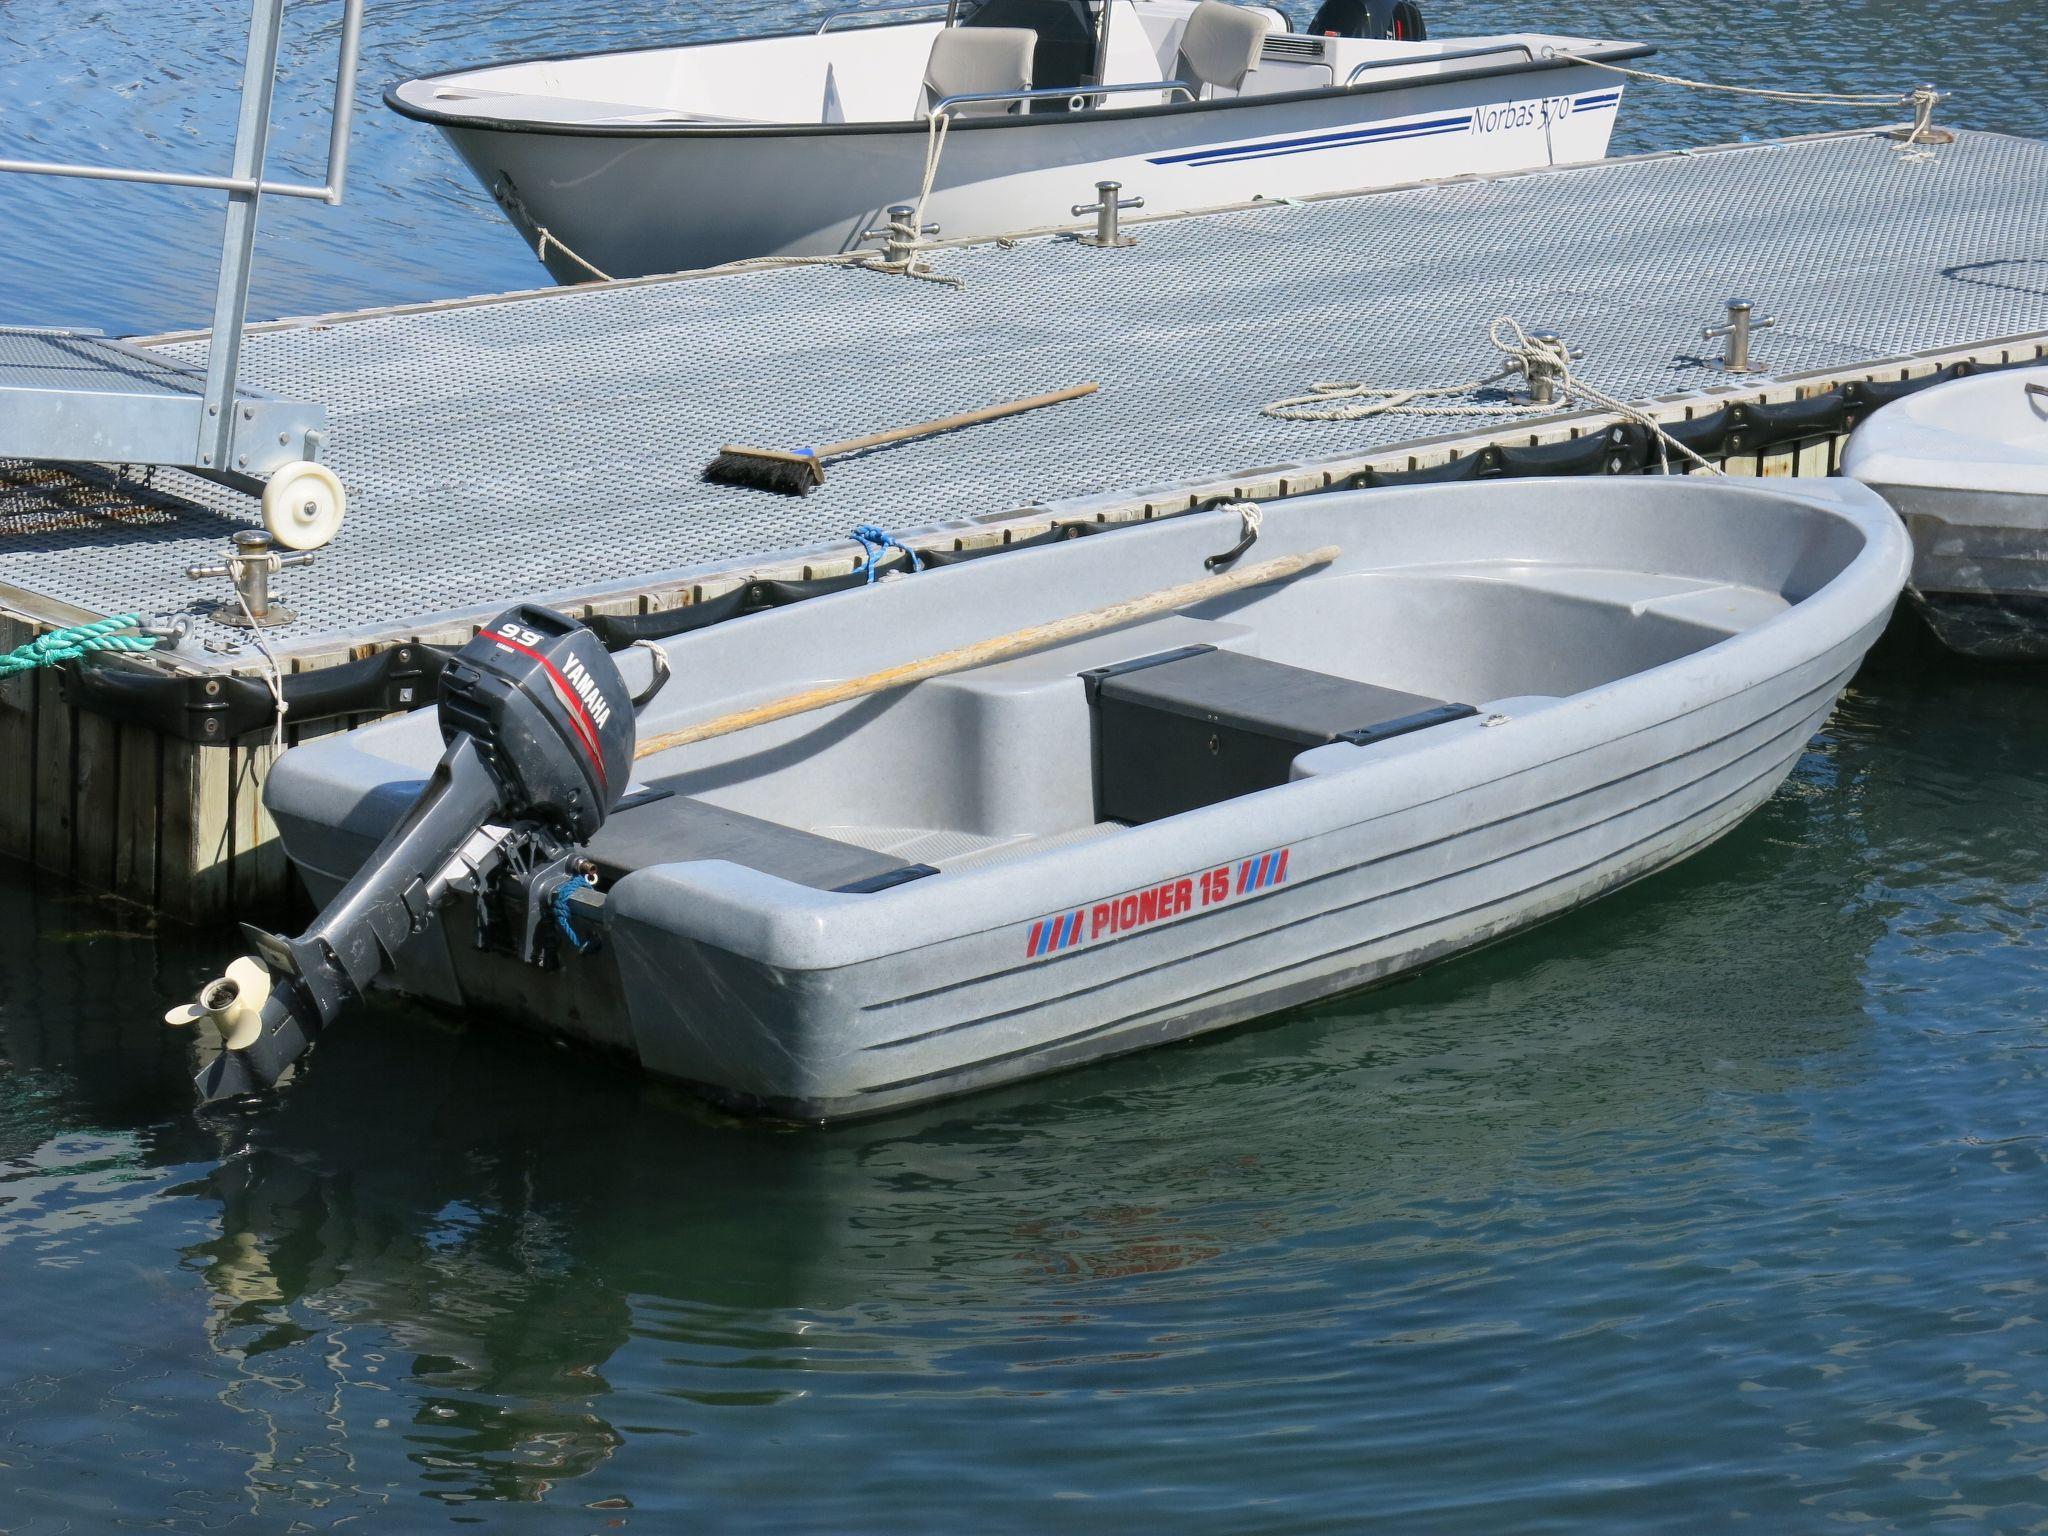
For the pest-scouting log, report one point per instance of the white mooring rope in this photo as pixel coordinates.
(548, 237)
(904, 235)
(273, 675)
(1922, 99)
(1523, 354)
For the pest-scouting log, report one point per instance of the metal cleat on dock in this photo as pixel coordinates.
(250, 565)
(1106, 207)
(1741, 324)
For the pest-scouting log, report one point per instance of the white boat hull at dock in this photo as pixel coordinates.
(644, 192)
(1965, 464)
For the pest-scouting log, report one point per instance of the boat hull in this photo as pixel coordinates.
(632, 204)
(1965, 465)
(1980, 569)
(1368, 864)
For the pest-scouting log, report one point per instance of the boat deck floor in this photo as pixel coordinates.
(549, 444)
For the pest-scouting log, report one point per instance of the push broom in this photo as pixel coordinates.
(800, 471)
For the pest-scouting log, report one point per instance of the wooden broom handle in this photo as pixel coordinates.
(948, 423)
(981, 653)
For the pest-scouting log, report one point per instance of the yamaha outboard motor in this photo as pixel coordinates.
(1379, 20)
(540, 735)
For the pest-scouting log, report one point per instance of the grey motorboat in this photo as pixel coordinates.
(1424, 718)
(1966, 465)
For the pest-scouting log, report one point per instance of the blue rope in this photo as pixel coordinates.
(561, 905)
(873, 541)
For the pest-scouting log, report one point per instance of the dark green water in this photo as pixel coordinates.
(1722, 1199)
(1718, 1204)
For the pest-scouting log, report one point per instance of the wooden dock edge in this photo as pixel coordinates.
(180, 828)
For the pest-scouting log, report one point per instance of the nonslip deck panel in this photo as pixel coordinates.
(553, 443)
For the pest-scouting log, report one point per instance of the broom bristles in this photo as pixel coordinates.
(766, 469)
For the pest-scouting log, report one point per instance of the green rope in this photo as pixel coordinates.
(79, 640)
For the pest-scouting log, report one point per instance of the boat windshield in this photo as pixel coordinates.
(1066, 49)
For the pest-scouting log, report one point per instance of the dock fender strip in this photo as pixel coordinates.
(215, 710)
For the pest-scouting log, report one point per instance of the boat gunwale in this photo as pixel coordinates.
(1827, 618)
(1600, 50)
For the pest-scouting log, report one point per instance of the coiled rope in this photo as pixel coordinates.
(77, 641)
(1922, 99)
(1523, 355)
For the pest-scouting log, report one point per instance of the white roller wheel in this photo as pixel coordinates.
(303, 504)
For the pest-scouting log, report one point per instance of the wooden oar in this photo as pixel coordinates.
(981, 653)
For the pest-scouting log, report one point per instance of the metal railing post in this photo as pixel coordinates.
(344, 98)
(238, 239)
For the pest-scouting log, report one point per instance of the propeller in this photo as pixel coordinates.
(234, 1003)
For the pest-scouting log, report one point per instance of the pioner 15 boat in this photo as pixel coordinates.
(996, 818)
(660, 159)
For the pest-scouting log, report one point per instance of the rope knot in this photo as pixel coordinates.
(874, 541)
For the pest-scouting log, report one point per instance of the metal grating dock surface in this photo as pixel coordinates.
(550, 444)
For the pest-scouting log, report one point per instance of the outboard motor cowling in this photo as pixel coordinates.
(539, 727)
(1378, 20)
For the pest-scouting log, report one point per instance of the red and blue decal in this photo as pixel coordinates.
(1153, 904)
(1267, 869)
(1050, 935)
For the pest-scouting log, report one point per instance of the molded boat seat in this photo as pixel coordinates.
(969, 61)
(1220, 45)
(674, 829)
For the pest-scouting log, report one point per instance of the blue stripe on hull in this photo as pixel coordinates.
(1379, 133)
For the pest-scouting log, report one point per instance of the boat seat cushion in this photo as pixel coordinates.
(675, 829)
(967, 61)
(1220, 45)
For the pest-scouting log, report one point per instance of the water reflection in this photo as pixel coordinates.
(486, 1224)
(463, 1266)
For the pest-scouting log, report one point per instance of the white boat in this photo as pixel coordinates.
(628, 163)
(1966, 465)
(1405, 723)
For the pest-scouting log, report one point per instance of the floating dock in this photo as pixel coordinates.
(549, 444)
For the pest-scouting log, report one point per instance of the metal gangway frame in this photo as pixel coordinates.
(74, 396)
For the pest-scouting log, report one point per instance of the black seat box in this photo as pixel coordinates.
(1190, 727)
